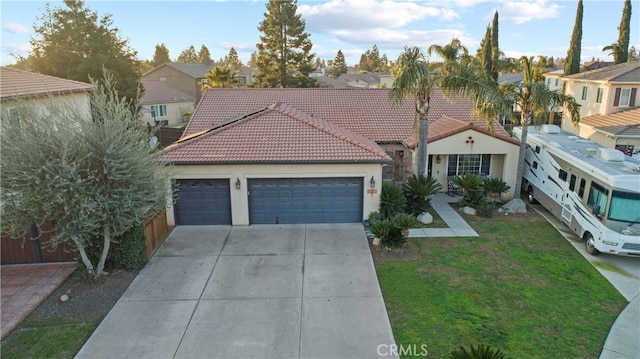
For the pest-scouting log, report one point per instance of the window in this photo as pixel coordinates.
(583, 183)
(241, 81)
(557, 82)
(625, 207)
(462, 164)
(584, 93)
(624, 97)
(599, 95)
(572, 183)
(535, 165)
(562, 174)
(158, 111)
(598, 196)
(537, 149)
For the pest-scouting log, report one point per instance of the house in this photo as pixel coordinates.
(245, 76)
(163, 104)
(318, 155)
(38, 90)
(18, 88)
(602, 91)
(619, 130)
(185, 77)
(360, 80)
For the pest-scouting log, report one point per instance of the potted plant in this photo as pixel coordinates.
(495, 187)
(468, 182)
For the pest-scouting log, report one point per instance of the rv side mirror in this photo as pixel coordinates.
(596, 210)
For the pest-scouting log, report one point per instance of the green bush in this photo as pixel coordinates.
(392, 200)
(473, 199)
(390, 235)
(478, 352)
(468, 182)
(127, 251)
(417, 191)
(404, 221)
(495, 187)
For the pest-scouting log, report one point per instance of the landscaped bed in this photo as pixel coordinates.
(519, 287)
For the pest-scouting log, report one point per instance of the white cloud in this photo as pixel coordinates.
(16, 48)
(520, 12)
(397, 39)
(16, 28)
(342, 15)
(239, 46)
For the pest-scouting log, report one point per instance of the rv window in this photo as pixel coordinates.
(583, 182)
(537, 149)
(535, 164)
(572, 183)
(562, 174)
(625, 207)
(598, 196)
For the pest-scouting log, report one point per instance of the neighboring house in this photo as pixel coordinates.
(245, 76)
(282, 155)
(554, 80)
(164, 104)
(594, 65)
(516, 78)
(185, 77)
(619, 130)
(37, 90)
(360, 80)
(386, 80)
(18, 88)
(603, 91)
(329, 82)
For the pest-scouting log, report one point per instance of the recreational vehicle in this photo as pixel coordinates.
(592, 189)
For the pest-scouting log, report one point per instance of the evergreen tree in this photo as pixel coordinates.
(363, 65)
(189, 56)
(572, 64)
(74, 43)
(161, 55)
(231, 60)
(495, 48)
(373, 60)
(284, 52)
(339, 65)
(620, 49)
(253, 60)
(204, 56)
(485, 60)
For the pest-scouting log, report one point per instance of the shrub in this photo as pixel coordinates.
(392, 200)
(473, 199)
(478, 352)
(468, 182)
(495, 187)
(128, 251)
(417, 191)
(390, 235)
(404, 221)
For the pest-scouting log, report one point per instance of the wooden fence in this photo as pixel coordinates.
(155, 231)
(168, 135)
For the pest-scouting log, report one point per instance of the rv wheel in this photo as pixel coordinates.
(590, 245)
(530, 196)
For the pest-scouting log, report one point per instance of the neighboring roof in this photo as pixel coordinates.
(511, 78)
(20, 83)
(445, 126)
(366, 112)
(278, 133)
(592, 65)
(195, 70)
(156, 91)
(328, 82)
(627, 72)
(619, 124)
(368, 78)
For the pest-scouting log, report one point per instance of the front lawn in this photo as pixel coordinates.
(519, 286)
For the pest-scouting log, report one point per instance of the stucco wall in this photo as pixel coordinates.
(79, 101)
(240, 200)
(175, 79)
(175, 110)
(504, 159)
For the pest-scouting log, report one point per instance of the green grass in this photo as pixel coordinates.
(55, 341)
(519, 287)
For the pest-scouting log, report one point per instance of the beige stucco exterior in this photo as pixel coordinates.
(504, 156)
(177, 79)
(607, 139)
(77, 100)
(175, 110)
(243, 172)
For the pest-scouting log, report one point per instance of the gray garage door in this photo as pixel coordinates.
(203, 201)
(305, 200)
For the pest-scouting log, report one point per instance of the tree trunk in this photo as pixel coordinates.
(423, 133)
(521, 153)
(83, 254)
(105, 250)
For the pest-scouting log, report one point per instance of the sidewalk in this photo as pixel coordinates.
(458, 227)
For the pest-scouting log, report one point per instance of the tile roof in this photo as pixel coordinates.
(619, 124)
(277, 133)
(446, 126)
(366, 112)
(195, 70)
(20, 83)
(156, 91)
(621, 73)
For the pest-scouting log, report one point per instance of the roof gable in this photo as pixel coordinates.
(20, 83)
(627, 72)
(278, 133)
(156, 91)
(445, 127)
(367, 112)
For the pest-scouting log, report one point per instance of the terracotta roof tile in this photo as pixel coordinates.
(366, 112)
(277, 133)
(620, 124)
(447, 126)
(19, 83)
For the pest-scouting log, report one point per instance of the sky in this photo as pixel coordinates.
(526, 27)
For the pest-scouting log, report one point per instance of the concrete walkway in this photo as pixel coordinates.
(261, 291)
(458, 227)
(623, 341)
(25, 286)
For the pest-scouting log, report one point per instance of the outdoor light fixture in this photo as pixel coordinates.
(470, 140)
(372, 183)
(238, 183)
(438, 159)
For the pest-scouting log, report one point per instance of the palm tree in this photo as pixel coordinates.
(450, 53)
(413, 79)
(220, 77)
(533, 99)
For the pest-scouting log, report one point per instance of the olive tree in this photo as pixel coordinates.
(93, 174)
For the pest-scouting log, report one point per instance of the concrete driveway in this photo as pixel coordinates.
(262, 291)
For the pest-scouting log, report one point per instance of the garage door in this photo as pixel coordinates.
(203, 201)
(305, 200)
